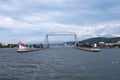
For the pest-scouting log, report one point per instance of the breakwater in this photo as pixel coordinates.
(89, 49)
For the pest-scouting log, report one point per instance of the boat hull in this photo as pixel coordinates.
(23, 50)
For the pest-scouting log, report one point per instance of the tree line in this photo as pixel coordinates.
(8, 45)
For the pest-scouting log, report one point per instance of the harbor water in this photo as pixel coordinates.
(60, 64)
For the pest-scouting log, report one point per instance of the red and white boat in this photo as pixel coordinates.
(22, 47)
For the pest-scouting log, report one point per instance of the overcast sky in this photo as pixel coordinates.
(31, 20)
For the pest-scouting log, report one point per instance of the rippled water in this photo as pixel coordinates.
(60, 64)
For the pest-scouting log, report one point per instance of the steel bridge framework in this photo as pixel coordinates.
(60, 33)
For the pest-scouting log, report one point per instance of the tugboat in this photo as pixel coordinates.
(22, 47)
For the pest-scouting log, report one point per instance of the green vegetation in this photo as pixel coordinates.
(101, 39)
(105, 42)
(16, 45)
(8, 45)
(97, 40)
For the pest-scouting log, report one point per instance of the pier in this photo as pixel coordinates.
(89, 49)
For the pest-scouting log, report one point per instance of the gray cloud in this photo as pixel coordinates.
(32, 19)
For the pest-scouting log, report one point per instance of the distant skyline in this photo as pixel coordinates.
(31, 20)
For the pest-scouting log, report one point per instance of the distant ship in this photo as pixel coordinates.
(22, 47)
(25, 48)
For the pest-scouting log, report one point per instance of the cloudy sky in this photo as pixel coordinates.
(31, 20)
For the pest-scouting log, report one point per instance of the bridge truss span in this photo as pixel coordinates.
(60, 33)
